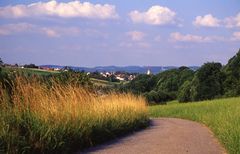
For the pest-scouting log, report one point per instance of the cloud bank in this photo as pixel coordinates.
(12, 29)
(178, 37)
(60, 9)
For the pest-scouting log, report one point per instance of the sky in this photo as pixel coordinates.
(119, 32)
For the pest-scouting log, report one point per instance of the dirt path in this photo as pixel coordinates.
(165, 136)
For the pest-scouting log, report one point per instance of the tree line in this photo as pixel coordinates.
(211, 80)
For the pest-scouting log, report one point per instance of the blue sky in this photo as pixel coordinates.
(110, 32)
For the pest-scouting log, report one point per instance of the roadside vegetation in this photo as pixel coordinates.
(62, 113)
(221, 116)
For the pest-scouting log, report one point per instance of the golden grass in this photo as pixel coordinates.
(56, 118)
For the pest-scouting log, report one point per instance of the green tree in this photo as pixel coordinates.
(30, 66)
(170, 81)
(184, 92)
(141, 84)
(207, 82)
(232, 72)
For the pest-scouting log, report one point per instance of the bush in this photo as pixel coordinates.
(158, 97)
(30, 66)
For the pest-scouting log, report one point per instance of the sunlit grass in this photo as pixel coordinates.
(64, 118)
(222, 116)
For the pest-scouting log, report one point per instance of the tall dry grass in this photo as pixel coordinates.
(62, 118)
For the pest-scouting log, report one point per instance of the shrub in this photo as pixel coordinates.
(30, 66)
(159, 97)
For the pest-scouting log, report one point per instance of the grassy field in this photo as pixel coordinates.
(222, 116)
(29, 71)
(103, 83)
(64, 118)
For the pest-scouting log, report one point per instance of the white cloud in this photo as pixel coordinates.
(141, 45)
(231, 22)
(50, 32)
(236, 36)
(136, 35)
(194, 38)
(15, 28)
(207, 21)
(211, 21)
(156, 15)
(60, 9)
(11, 29)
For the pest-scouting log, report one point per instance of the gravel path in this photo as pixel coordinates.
(165, 136)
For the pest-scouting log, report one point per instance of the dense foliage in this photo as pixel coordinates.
(161, 87)
(141, 84)
(170, 81)
(232, 81)
(211, 80)
(207, 82)
(30, 66)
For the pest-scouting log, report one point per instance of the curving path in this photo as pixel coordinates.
(165, 136)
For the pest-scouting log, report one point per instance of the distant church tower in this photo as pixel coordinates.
(149, 72)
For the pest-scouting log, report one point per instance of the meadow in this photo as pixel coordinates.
(222, 116)
(37, 118)
(29, 71)
(103, 83)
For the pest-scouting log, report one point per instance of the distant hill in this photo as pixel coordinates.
(130, 69)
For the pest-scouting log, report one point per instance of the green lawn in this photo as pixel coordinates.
(222, 116)
(29, 71)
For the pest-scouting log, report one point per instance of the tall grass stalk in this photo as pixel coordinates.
(64, 118)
